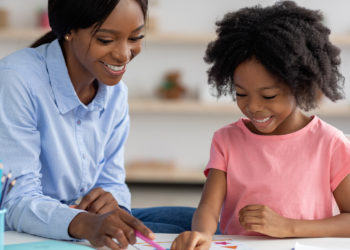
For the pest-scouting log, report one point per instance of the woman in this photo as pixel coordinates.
(63, 124)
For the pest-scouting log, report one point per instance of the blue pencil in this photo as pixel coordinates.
(4, 189)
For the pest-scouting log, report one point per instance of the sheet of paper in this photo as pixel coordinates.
(47, 245)
(299, 246)
(216, 245)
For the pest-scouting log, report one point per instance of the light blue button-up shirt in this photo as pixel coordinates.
(57, 147)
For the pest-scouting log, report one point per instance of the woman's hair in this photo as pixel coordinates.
(291, 43)
(67, 15)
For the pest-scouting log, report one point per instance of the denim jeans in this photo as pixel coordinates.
(171, 220)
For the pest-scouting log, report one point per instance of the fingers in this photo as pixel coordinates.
(109, 242)
(119, 235)
(105, 201)
(137, 224)
(190, 241)
(106, 208)
(250, 208)
(90, 198)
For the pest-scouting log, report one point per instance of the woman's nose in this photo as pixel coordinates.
(121, 53)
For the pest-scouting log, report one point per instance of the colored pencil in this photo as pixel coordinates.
(151, 242)
(0, 175)
(4, 189)
(13, 182)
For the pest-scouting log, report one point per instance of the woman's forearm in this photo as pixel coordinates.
(336, 226)
(205, 220)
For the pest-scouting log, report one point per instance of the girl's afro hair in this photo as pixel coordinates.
(291, 43)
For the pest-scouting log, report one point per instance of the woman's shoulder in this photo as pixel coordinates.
(27, 64)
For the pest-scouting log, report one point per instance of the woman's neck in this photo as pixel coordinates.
(83, 82)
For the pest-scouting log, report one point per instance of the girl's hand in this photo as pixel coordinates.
(98, 201)
(262, 219)
(192, 241)
(101, 229)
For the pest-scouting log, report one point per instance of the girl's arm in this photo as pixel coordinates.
(264, 220)
(206, 217)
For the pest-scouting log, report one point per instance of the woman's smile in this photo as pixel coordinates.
(114, 70)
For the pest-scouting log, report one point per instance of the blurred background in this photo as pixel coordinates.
(173, 115)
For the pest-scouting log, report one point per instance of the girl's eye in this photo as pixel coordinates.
(270, 97)
(135, 39)
(104, 41)
(240, 95)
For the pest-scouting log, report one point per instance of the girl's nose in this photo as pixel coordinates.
(254, 106)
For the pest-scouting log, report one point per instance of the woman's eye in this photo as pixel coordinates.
(135, 39)
(270, 97)
(240, 95)
(104, 41)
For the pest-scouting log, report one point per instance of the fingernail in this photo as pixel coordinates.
(151, 235)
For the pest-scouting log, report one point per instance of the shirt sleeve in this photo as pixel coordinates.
(340, 160)
(28, 209)
(112, 176)
(217, 158)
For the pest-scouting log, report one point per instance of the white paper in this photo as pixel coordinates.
(220, 244)
(299, 246)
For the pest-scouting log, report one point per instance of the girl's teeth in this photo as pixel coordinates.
(265, 120)
(114, 68)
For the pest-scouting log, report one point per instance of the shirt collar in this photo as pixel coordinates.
(63, 90)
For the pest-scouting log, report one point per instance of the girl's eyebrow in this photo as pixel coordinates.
(117, 32)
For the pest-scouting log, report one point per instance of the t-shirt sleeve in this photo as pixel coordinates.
(340, 160)
(217, 158)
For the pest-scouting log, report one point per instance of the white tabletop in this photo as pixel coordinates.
(257, 242)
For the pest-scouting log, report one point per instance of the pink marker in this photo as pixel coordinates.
(151, 242)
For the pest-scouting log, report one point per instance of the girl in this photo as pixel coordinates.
(63, 124)
(275, 173)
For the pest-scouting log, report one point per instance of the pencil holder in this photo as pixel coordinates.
(2, 227)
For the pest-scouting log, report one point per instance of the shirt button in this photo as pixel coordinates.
(79, 122)
(84, 156)
(82, 190)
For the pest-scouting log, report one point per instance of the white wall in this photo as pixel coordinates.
(185, 139)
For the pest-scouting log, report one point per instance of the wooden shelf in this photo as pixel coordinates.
(181, 176)
(205, 108)
(176, 37)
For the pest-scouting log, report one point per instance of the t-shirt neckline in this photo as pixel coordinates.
(277, 137)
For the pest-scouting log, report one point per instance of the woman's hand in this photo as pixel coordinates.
(101, 229)
(192, 241)
(262, 219)
(98, 201)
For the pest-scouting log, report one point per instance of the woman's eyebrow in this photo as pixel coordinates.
(117, 32)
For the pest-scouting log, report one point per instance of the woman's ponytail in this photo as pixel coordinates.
(47, 38)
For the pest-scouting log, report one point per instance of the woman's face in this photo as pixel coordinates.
(269, 105)
(105, 55)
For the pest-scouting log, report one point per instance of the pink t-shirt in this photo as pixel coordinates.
(294, 174)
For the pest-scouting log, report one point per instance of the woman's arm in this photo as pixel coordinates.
(264, 220)
(28, 209)
(206, 217)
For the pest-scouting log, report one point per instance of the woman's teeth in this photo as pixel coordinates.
(265, 120)
(114, 68)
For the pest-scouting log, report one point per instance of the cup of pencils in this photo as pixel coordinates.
(5, 186)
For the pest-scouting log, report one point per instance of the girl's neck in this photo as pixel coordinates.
(83, 82)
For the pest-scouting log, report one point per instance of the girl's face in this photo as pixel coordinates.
(105, 55)
(268, 104)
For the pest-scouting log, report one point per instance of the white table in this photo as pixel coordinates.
(257, 242)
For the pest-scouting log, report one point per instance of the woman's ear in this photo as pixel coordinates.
(68, 37)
